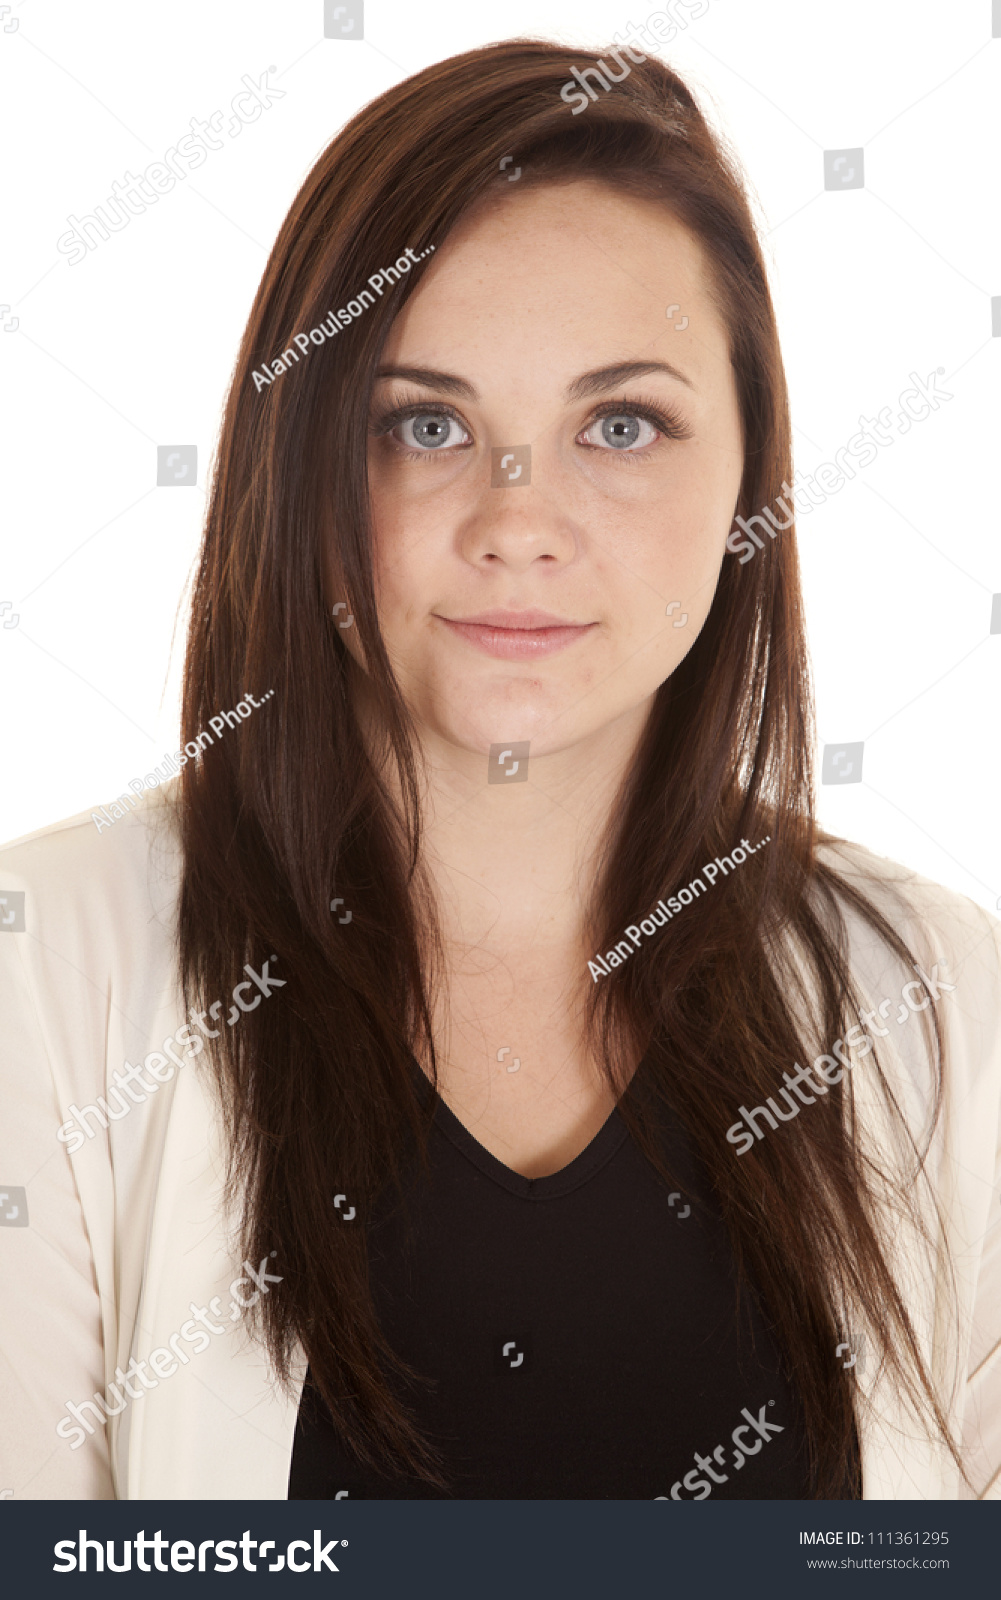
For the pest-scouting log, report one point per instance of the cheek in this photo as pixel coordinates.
(415, 509)
(400, 557)
(667, 551)
(412, 574)
(700, 512)
(658, 568)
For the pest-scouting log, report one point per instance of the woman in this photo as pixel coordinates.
(476, 1075)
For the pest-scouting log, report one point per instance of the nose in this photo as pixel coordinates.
(517, 524)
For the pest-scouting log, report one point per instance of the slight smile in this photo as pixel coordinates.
(517, 635)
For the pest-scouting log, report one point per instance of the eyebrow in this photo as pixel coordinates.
(613, 377)
(590, 383)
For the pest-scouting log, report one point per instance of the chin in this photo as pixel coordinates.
(516, 712)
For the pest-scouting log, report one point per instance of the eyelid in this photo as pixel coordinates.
(385, 420)
(662, 416)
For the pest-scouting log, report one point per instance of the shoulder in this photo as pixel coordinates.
(897, 887)
(933, 1004)
(938, 924)
(94, 875)
(952, 971)
(91, 922)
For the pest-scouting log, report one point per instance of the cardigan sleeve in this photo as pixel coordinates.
(982, 1411)
(954, 1301)
(51, 1319)
(86, 980)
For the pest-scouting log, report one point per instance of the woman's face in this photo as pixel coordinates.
(554, 461)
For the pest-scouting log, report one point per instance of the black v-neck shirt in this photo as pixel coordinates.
(582, 1330)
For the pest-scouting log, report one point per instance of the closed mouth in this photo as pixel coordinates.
(517, 634)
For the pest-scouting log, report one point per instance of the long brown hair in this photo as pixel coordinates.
(294, 811)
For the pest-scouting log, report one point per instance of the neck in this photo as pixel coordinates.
(514, 863)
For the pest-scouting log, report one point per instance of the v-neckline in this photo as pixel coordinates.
(596, 1153)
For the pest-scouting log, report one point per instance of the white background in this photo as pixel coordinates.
(133, 347)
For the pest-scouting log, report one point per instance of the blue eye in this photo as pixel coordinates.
(428, 430)
(620, 431)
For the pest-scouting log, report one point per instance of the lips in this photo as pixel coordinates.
(517, 635)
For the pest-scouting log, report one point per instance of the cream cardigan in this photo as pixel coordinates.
(126, 1244)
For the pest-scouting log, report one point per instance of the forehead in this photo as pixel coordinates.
(558, 273)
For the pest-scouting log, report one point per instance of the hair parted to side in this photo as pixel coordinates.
(317, 1086)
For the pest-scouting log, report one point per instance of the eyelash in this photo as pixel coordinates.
(669, 423)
